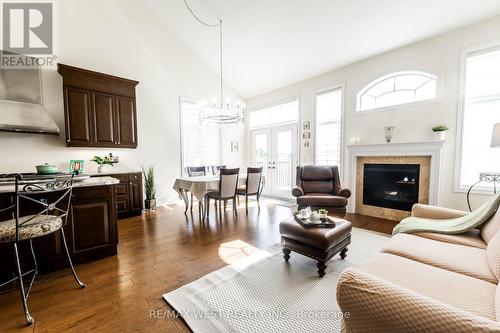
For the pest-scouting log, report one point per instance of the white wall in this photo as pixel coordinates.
(439, 55)
(121, 38)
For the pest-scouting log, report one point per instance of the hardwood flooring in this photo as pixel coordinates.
(158, 252)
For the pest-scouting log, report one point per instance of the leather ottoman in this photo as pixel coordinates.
(318, 243)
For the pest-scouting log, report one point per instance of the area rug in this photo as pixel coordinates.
(262, 293)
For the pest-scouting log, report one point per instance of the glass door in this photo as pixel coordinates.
(275, 149)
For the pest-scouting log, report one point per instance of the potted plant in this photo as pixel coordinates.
(101, 162)
(150, 188)
(323, 214)
(440, 132)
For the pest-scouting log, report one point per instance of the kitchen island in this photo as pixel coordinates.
(91, 232)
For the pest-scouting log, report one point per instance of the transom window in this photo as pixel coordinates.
(397, 89)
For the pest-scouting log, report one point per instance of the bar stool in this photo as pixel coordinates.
(51, 198)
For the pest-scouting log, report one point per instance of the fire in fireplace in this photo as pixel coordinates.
(391, 185)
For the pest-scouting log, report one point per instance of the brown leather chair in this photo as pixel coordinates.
(319, 186)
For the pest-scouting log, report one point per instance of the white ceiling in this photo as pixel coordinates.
(272, 43)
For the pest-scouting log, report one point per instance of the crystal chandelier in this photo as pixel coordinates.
(219, 111)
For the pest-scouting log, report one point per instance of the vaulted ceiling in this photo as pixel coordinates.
(272, 43)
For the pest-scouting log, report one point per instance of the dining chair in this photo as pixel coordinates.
(253, 186)
(216, 169)
(51, 200)
(228, 182)
(197, 171)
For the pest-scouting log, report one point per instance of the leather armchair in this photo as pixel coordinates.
(319, 186)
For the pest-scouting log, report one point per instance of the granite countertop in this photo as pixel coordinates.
(94, 181)
(112, 172)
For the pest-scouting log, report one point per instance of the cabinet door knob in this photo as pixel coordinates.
(67, 140)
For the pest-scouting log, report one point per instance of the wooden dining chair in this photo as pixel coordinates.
(253, 186)
(216, 169)
(49, 202)
(196, 171)
(228, 182)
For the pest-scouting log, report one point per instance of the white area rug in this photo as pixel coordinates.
(263, 293)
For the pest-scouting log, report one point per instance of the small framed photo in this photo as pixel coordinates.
(235, 147)
(306, 126)
(76, 167)
(306, 135)
(306, 144)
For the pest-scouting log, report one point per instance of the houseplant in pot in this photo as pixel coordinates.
(149, 188)
(440, 132)
(101, 162)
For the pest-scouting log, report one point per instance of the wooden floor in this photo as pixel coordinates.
(158, 252)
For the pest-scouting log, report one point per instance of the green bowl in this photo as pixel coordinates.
(46, 169)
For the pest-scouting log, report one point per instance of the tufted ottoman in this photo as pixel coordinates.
(317, 243)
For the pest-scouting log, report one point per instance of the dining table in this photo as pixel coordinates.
(199, 186)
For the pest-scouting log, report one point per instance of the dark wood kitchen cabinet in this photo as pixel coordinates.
(128, 192)
(99, 109)
(91, 232)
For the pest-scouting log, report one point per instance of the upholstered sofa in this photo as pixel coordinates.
(427, 282)
(319, 186)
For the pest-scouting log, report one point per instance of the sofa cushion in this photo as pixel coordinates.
(493, 254)
(321, 200)
(458, 290)
(317, 186)
(469, 238)
(490, 228)
(461, 259)
(317, 172)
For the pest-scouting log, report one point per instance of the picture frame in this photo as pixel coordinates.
(76, 167)
(306, 135)
(306, 126)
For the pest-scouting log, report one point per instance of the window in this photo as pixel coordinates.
(396, 89)
(328, 143)
(481, 110)
(200, 142)
(278, 114)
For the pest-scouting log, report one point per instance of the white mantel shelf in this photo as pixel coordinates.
(434, 149)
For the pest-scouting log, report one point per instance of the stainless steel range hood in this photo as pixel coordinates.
(21, 102)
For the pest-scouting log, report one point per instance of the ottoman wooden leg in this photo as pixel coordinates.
(321, 268)
(343, 253)
(286, 254)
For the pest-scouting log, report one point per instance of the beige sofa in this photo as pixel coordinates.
(427, 282)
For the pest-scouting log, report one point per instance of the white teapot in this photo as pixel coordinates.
(305, 213)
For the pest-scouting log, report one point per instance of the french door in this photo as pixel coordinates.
(275, 149)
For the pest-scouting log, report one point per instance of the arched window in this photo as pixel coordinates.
(396, 89)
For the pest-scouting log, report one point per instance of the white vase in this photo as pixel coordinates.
(100, 169)
(440, 135)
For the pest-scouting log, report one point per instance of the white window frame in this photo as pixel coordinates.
(378, 79)
(181, 124)
(477, 49)
(338, 86)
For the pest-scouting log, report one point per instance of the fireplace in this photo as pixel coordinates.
(394, 186)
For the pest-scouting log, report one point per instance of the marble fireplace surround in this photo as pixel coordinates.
(432, 149)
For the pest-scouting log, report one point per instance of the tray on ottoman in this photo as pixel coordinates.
(320, 243)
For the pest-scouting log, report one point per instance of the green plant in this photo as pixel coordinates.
(440, 128)
(102, 160)
(149, 182)
(323, 211)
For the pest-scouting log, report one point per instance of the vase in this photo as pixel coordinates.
(150, 204)
(389, 133)
(440, 135)
(100, 169)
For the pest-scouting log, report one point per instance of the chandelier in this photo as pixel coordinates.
(219, 111)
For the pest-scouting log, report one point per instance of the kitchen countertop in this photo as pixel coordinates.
(93, 181)
(112, 172)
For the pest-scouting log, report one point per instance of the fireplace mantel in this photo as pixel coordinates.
(434, 149)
